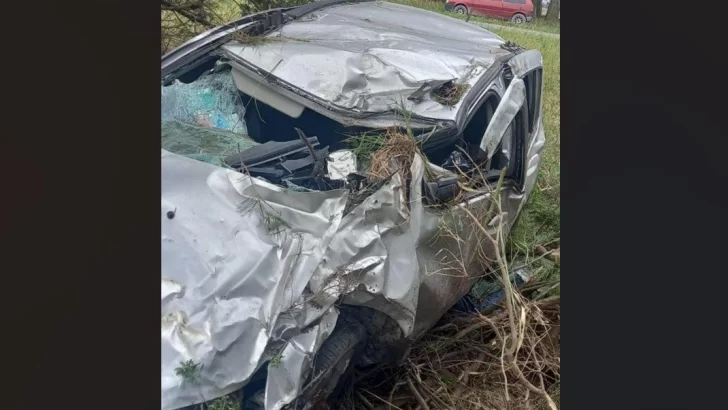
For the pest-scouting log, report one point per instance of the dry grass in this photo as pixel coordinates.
(395, 155)
(363, 145)
(250, 40)
(450, 93)
(508, 360)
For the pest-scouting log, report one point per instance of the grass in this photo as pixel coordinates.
(224, 403)
(189, 372)
(275, 358)
(248, 40)
(439, 7)
(450, 93)
(363, 145)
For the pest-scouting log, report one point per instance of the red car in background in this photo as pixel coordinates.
(517, 11)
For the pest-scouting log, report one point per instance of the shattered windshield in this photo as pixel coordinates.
(203, 120)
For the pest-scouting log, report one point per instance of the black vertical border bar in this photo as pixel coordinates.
(643, 210)
(81, 182)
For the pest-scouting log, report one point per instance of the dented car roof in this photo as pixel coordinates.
(365, 57)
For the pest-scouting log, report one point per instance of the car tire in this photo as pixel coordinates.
(334, 359)
(518, 18)
(460, 9)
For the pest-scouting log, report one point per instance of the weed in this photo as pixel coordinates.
(449, 93)
(250, 40)
(275, 357)
(394, 155)
(273, 223)
(224, 403)
(189, 371)
(270, 218)
(363, 145)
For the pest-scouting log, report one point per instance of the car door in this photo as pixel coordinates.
(511, 7)
(490, 8)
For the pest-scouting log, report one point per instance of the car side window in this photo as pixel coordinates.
(516, 1)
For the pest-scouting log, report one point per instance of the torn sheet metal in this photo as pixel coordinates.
(341, 163)
(522, 64)
(525, 62)
(225, 276)
(286, 375)
(371, 57)
(370, 257)
(229, 286)
(511, 103)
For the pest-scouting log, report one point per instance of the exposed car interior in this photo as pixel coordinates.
(267, 145)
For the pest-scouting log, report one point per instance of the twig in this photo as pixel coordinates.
(466, 373)
(382, 400)
(548, 301)
(469, 329)
(551, 255)
(366, 402)
(417, 394)
(519, 373)
(391, 394)
(495, 199)
(552, 287)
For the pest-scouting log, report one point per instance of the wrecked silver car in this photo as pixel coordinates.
(310, 159)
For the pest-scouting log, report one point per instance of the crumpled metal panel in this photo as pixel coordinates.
(341, 163)
(225, 278)
(534, 152)
(511, 103)
(229, 287)
(370, 258)
(285, 378)
(370, 57)
(524, 62)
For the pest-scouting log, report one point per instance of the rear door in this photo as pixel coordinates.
(511, 7)
(490, 8)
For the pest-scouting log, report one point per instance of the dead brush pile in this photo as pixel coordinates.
(383, 154)
(506, 360)
(475, 362)
(395, 155)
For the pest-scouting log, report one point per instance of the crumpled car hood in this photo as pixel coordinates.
(230, 285)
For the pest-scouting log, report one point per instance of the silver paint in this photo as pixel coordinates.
(370, 57)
